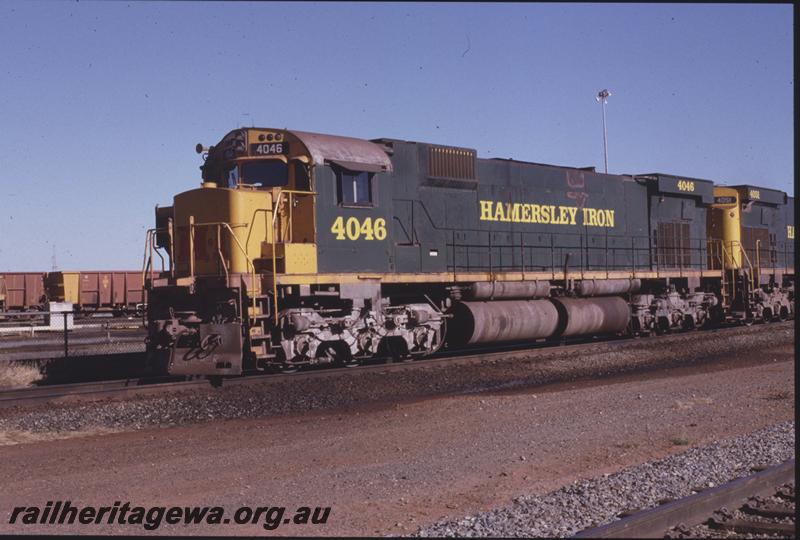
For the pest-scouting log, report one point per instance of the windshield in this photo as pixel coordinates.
(267, 173)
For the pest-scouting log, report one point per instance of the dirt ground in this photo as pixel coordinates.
(389, 469)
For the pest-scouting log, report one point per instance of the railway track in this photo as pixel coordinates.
(759, 505)
(140, 386)
(118, 388)
(149, 385)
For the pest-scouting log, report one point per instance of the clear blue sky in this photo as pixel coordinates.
(101, 104)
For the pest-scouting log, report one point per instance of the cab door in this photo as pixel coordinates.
(353, 209)
(301, 214)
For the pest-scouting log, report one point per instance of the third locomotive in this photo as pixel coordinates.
(302, 248)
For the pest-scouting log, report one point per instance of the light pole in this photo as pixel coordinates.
(602, 97)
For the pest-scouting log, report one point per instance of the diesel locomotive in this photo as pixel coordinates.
(301, 248)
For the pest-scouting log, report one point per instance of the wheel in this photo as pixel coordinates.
(338, 354)
(393, 348)
(688, 324)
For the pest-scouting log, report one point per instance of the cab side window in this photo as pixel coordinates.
(354, 188)
(301, 180)
(233, 177)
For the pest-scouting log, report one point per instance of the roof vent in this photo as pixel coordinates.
(451, 162)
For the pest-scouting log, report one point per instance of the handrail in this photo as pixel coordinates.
(725, 257)
(275, 212)
(282, 195)
(253, 220)
(147, 258)
(722, 270)
(722, 256)
(711, 254)
(735, 243)
(758, 260)
(279, 199)
(226, 226)
(522, 252)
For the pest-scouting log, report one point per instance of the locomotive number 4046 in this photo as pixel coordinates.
(354, 229)
(685, 185)
(269, 149)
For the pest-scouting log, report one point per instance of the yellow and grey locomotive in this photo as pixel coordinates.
(301, 248)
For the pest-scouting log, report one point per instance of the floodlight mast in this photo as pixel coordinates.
(602, 97)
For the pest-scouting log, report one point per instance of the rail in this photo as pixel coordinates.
(475, 249)
(656, 522)
(771, 255)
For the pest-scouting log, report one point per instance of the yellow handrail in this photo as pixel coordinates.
(747, 259)
(725, 256)
(275, 212)
(227, 226)
(718, 254)
(253, 220)
(279, 199)
(721, 255)
(149, 243)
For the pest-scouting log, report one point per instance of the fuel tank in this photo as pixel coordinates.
(522, 320)
(494, 322)
(591, 316)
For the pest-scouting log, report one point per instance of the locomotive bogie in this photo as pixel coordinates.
(308, 336)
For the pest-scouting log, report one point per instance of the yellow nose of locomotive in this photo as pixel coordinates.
(220, 230)
(726, 225)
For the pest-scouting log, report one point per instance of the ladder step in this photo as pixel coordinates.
(260, 349)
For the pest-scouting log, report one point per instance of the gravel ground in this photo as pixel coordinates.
(589, 503)
(388, 468)
(353, 387)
